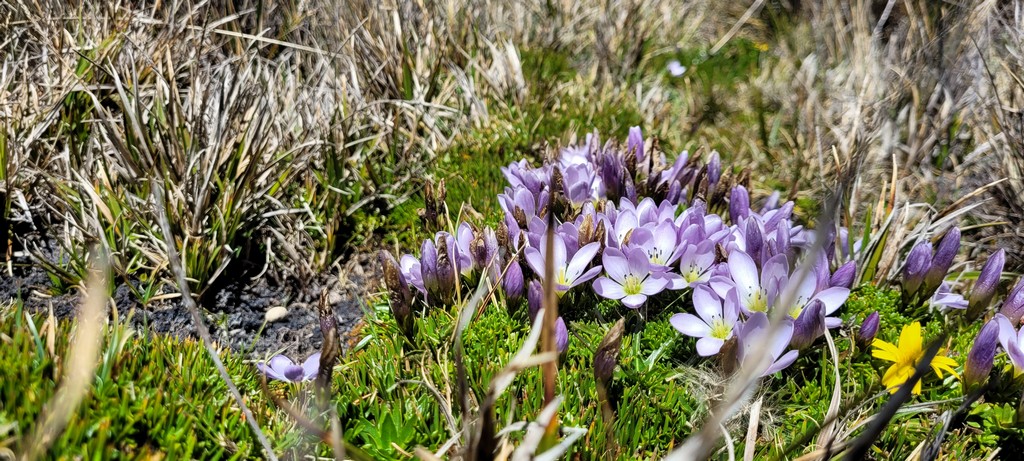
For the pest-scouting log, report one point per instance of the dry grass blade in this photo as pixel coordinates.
(750, 443)
(197, 319)
(78, 370)
(827, 436)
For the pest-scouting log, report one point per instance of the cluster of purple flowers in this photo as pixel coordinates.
(630, 225)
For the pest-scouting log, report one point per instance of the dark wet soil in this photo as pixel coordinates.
(235, 314)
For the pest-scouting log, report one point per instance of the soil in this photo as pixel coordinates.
(234, 314)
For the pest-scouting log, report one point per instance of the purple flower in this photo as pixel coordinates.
(661, 244)
(513, 282)
(1012, 341)
(755, 292)
(676, 69)
(411, 270)
(534, 298)
(714, 170)
(580, 184)
(483, 248)
(809, 325)
(630, 278)
(697, 262)
(843, 277)
(985, 286)
(918, 262)
(635, 144)
(945, 299)
(751, 334)
(716, 322)
(561, 335)
(942, 260)
(1013, 305)
(282, 368)
(868, 329)
(428, 268)
(568, 272)
(739, 204)
(981, 356)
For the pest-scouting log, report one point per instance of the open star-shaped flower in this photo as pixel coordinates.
(905, 355)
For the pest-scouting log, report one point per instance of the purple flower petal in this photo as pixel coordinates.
(607, 288)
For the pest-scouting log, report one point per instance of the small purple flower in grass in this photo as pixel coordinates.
(660, 243)
(568, 272)
(513, 283)
(919, 260)
(755, 291)
(697, 262)
(282, 368)
(981, 356)
(945, 299)
(629, 278)
(1012, 341)
(1013, 305)
(716, 322)
(561, 336)
(411, 270)
(942, 260)
(843, 277)
(534, 298)
(868, 329)
(751, 334)
(985, 287)
(809, 325)
(739, 204)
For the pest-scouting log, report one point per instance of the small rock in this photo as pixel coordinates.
(276, 313)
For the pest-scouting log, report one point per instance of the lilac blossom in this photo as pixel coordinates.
(868, 329)
(569, 272)
(629, 277)
(697, 262)
(751, 334)
(1012, 341)
(410, 268)
(982, 355)
(1013, 305)
(716, 322)
(561, 336)
(756, 291)
(282, 368)
(945, 299)
(945, 252)
(660, 243)
(843, 277)
(985, 287)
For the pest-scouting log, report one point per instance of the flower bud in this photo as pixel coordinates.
(868, 329)
(808, 325)
(513, 284)
(981, 356)
(918, 262)
(428, 267)
(754, 240)
(739, 204)
(483, 247)
(714, 169)
(534, 298)
(635, 144)
(607, 355)
(399, 294)
(943, 260)
(561, 336)
(843, 277)
(446, 270)
(985, 287)
(1013, 306)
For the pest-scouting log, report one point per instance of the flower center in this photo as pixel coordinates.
(795, 311)
(719, 329)
(632, 285)
(757, 302)
(561, 279)
(692, 275)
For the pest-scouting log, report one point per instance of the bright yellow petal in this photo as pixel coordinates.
(917, 388)
(940, 363)
(910, 339)
(885, 351)
(895, 376)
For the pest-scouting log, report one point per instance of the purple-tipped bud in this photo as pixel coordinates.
(561, 336)
(809, 325)
(981, 356)
(739, 204)
(843, 277)
(918, 262)
(945, 252)
(985, 287)
(754, 240)
(635, 144)
(868, 329)
(534, 298)
(513, 284)
(428, 267)
(1013, 306)
(714, 169)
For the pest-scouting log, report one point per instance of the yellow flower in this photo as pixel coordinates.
(905, 356)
